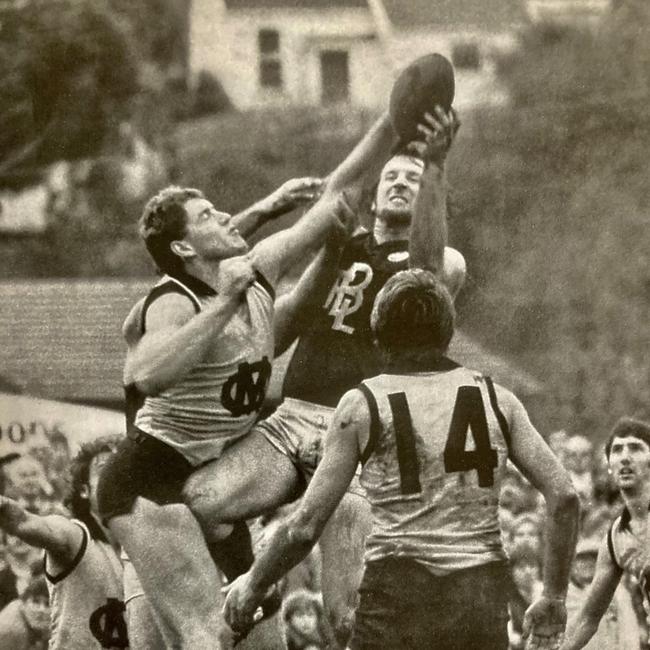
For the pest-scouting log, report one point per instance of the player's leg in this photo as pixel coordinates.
(342, 546)
(167, 549)
(140, 622)
(139, 496)
(250, 478)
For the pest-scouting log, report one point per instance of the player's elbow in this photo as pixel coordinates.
(304, 530)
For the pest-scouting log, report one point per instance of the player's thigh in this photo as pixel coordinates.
(342, 546)
(250, 478)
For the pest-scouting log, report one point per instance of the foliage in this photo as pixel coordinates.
(553, 216)
(70, 73)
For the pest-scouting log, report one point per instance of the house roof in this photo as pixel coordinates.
(294, 4)
(62, 340)
(487, 14)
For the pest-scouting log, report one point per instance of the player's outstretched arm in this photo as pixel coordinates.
(599, 596)
(54, 533)
(291, 194)
(276, 254)
(176, 338)
(546, 619)
(292, 310)
(428, 236)
(296, 536)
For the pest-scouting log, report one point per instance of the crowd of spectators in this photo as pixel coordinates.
(38, 481)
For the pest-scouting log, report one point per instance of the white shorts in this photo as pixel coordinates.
(297, 429)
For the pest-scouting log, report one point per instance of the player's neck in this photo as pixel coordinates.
(637, 501)
(384, 233)
(205, 270)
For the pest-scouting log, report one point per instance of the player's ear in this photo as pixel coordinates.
(84, 491)
(182, 248)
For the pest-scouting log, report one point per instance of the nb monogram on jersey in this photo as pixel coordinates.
(346, 295)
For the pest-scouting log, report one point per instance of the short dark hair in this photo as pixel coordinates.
(628, 427)
(413, 310)
(164, 220)
(79, 471)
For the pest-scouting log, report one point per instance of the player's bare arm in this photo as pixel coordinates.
(291, 194)
(599, 596)
(176, 337)
(428, 236)
(292, 310)
(57, 535)
(276, 254)
(546, 618)
(296, 536)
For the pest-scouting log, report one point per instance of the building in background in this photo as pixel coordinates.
(318, 52)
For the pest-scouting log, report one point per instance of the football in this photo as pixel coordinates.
(423, 84)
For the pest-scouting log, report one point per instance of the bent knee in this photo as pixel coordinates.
(205, 502)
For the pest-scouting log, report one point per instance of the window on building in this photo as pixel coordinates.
(268, 42)
(466, 56)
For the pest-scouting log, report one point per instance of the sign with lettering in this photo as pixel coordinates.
(27, 422)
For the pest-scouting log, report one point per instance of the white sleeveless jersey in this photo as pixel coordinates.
(432, 470)
(86, 600)
(220, 399)
(631, 554)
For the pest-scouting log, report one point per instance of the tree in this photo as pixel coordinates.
(70, 74)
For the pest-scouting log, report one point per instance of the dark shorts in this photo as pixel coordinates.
(404, 606)
(141, 467)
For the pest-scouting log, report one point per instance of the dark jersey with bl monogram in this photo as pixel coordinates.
(338, 351)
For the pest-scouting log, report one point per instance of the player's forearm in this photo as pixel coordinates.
(32, 529)
(428, 236)
(292, 314)
(289, 545)
(365, 160)
(164, 358)
(562, 512)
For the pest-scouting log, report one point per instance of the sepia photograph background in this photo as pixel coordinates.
(104, 102)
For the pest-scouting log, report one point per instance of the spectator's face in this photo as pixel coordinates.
(305, 621)
(37, 613)
(629, 462)
(25, 477)
(510, 495)
(578, 454)
(583, 569)
(399, 183)
(527, 534)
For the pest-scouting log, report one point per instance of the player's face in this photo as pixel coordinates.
(577, 454)
(629, 462)
(399, 183)
(210, 232)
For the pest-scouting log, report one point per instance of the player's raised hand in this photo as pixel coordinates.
(236, 274)
(437, 133)
(544, 624)
(297, 191)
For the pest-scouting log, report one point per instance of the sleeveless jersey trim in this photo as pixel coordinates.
(610, 544)
(75, 562)
(375, 427)
(501, 418)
